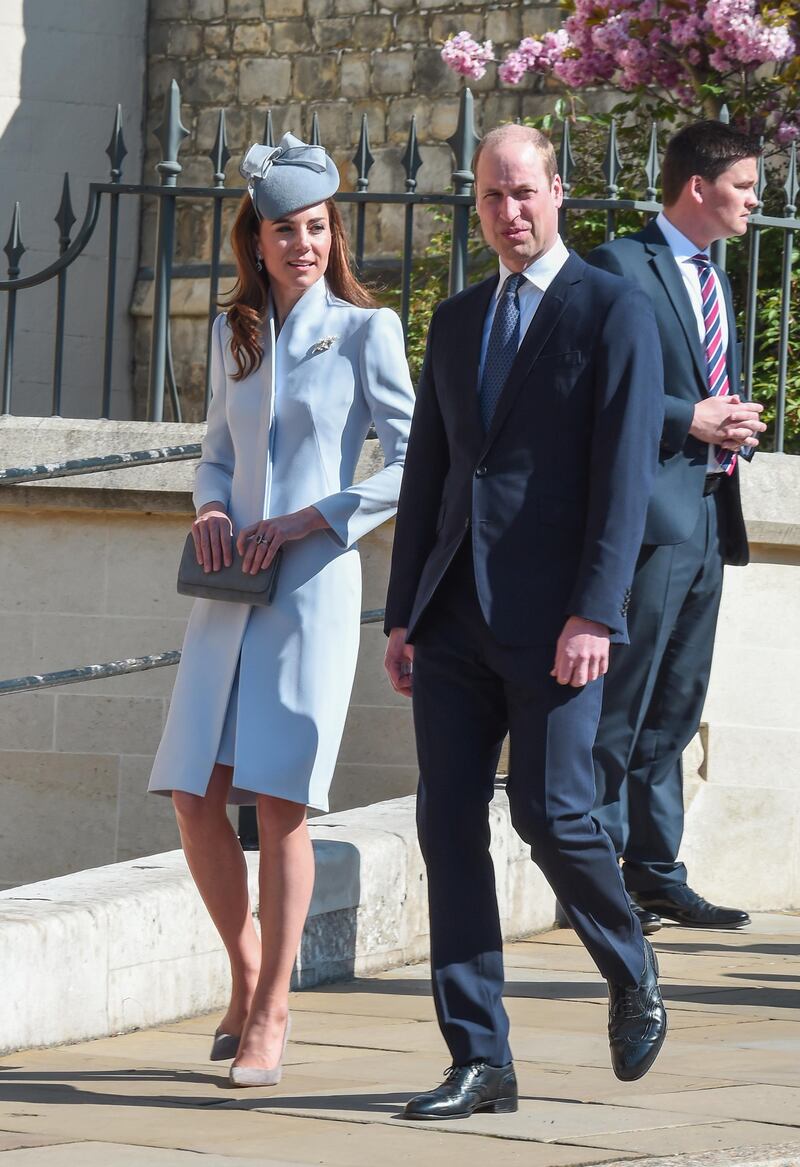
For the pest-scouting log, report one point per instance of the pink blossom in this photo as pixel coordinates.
(747, 37)
(466, 56)
(639, 44)
(513, 69)
(787, 133)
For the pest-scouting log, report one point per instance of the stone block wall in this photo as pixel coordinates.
(87, 576)
(340, 60)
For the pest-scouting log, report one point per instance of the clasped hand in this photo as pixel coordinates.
(257, 544)
(727, 421)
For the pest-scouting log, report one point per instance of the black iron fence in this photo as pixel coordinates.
(458, 203)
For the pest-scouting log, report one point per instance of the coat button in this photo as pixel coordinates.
(480, 472)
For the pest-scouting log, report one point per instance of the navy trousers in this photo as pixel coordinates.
(468, 692)
(653, 700)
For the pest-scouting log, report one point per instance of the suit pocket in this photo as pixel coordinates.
(570, 358)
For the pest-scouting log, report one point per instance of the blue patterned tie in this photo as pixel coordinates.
(502, 348)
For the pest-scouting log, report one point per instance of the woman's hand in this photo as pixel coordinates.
(259, 543)
(212, 532)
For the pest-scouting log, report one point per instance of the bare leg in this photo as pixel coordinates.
(218, 867)
(286, 880)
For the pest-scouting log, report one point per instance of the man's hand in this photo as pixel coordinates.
(581, 652)
(727, 421)
(398, 661)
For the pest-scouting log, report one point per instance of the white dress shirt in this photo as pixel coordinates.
(683, 249)
(539, 275)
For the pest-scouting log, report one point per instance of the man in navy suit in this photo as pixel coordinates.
(654, 693)
(532, 454)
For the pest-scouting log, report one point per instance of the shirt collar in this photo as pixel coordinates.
(681, 247)
(542, 271)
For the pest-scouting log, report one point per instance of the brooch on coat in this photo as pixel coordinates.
(323, 345)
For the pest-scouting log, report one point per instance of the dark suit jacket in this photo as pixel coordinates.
(555, 494)
(647, 258)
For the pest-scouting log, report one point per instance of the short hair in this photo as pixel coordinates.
(706, 148)
(535, 138)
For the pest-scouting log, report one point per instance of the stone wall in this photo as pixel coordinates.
(338, 59)
(88, 576)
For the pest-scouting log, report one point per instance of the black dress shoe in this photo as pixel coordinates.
(637, 1022)
(686, 907)
(650, 921)
(466, 1089)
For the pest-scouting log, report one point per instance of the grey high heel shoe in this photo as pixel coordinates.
(254, 1075)
(224, 1046)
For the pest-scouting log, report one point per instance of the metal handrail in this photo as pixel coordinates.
(94, 465)
(120, 668)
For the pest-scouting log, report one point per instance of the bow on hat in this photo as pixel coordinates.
(259, 160)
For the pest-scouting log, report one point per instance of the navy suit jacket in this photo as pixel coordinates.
(554, 496)
(647, 258)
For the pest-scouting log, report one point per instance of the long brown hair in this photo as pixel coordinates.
(247, 303)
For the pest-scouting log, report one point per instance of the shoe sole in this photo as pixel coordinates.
(498, 1106)
(709, 927)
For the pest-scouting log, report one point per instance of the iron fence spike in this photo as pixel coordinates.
(652, 166)
(65, 217)
(464, 141)
(269, 132)
(363, 158)
(171, 134)
(116, 148)
(566, 159)
(412, 159)
(14, 248)
(612, 164)
(791, 185)
(314, 136)
(219, 153)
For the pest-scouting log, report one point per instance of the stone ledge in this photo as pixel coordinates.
(130, 945)
(165, 488)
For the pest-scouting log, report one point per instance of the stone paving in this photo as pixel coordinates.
(725, 1089)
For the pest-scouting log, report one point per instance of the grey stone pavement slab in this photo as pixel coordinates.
(725, 1091)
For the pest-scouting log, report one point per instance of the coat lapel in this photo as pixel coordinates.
(732, 357)
(665, 267)
(547, 316)
(466, 355)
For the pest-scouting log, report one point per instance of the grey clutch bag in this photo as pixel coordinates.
(229, 583)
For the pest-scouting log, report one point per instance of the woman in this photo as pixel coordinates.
(300, 365)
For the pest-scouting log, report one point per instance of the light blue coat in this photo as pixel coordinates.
(288, 436)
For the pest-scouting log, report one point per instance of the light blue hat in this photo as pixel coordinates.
(285, 178)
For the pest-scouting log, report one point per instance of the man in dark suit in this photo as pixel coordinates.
(532, 454)
(654, 693)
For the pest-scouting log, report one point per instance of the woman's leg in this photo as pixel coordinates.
(218, 867)
(286, 880)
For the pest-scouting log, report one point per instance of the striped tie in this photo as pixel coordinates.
(716, 367)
